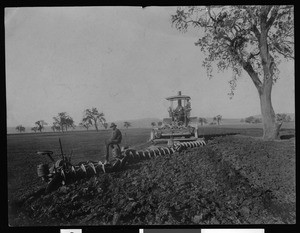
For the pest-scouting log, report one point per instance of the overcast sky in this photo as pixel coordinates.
(122, 60)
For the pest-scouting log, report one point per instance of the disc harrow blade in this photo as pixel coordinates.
(65, 173)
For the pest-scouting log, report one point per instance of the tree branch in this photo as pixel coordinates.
(256, 31)
(283, 54)
(252, 56)
(195, 22)
(227, 38)
(248, 67)
(249, 11)
(253, 27)
(208, 10)
(237, 26)
(268, 9)
(284, 12)
(271, 20)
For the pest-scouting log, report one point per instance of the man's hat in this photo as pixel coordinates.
(112, 125)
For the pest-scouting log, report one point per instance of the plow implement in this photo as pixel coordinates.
(63, 172)
(179, 131)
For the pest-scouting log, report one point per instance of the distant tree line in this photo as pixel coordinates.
(280, 117)
(216, 120)
(63, 122)
(127, 124)
(202, 120)
(153, 124)
(283, 117)
(251, 120)
(92, 117)
(20, 128)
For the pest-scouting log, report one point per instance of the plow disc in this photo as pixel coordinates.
(63, 172)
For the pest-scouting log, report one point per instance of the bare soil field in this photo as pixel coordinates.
(22, 159)
(233, 180)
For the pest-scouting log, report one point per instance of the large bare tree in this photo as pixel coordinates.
(250, 38)
(63, 121)
(93, 117)
(40, 125)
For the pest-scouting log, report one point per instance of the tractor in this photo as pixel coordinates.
(179, 126)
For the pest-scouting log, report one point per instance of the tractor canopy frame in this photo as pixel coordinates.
(181, 114)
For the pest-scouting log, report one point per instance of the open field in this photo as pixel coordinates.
(89, 145)
(86, 145)
(253, 130)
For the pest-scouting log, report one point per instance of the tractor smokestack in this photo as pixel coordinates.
(179, 101)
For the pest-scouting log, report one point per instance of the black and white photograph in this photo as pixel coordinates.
(150, 116)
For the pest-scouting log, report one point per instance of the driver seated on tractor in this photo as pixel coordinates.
(115, 139)
(179, 113)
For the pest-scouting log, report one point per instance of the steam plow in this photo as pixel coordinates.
(63, 172)
(179, 131)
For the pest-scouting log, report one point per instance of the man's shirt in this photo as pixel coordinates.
(116, 136)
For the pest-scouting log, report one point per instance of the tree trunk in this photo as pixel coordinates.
(270, 126)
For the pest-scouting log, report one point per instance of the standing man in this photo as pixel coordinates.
(115, 139)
